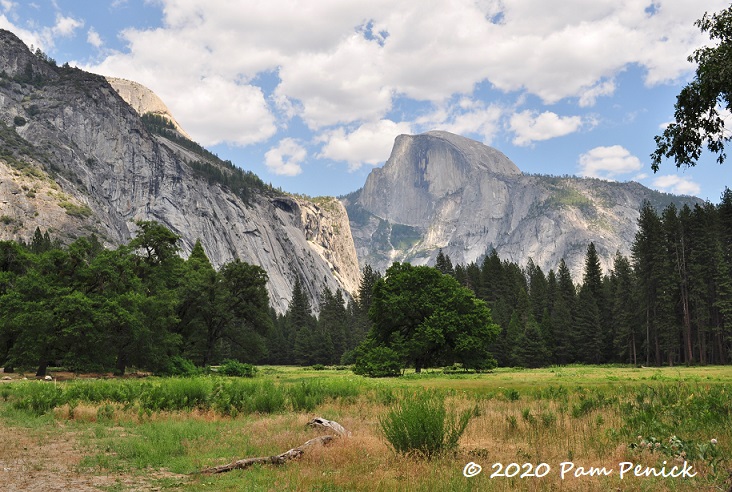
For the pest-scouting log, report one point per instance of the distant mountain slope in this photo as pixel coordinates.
(440, 190)
(76, 158)
(144, 101)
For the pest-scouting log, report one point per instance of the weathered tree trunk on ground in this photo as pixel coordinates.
(291, 454)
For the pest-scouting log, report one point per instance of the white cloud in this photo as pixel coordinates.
(344, 63)
(218, 110)
(467, 116)
(65, 26)
(28, 37)
(675, 184)
(7, 5)
(285, 159)
(369, 144)
(608, 162)
(338, 87)
(530, 127)
(588, 97)
(93, 38)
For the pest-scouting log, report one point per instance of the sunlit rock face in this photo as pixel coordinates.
(440, 190)
(83, 162)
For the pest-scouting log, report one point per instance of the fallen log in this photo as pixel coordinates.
(288, 455)
(322, 423)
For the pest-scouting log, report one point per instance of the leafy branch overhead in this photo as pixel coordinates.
(701, 104)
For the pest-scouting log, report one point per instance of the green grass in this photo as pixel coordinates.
(592, 416)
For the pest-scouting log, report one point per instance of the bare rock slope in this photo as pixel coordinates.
(440, 190)
(78, 158)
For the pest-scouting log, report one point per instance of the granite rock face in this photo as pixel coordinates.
(82, 162)
(439, 190)
(144, 101)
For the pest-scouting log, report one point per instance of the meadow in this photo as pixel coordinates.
(559, 428)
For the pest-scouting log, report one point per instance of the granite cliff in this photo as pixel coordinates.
(77, 158)
(440, 190)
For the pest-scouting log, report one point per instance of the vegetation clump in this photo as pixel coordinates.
(231, 367)
(421, 424)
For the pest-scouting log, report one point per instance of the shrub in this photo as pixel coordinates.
(176, 394)
(179, 366)
(511, 394)
(105, 413)
(306, 395)
(420, 424)
(232, 397)
(378, 362)
(235, 368)
(19, 121)
(38, 397)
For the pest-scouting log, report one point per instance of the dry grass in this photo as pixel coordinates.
(525, 427)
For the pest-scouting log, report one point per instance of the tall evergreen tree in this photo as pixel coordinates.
(537, 290)
(301, 326)
(649, 258)
(444, 264)
(332, 326)
(591, 331)
(628, 338)
(563, 316)
(677, 246)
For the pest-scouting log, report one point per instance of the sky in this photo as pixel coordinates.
(310, 94)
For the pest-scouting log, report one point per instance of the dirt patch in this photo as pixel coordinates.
(30, 463)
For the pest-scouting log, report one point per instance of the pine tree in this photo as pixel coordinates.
(537, 290)
(443, 264)
(648, 259)
(530, 349)
(591, 331)
(332, 326)
(623, 301)
(563, 316)
(677, 246)
(588, 336)
(301, 326)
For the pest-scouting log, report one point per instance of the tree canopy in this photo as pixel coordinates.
(698, 107)
(429, 319)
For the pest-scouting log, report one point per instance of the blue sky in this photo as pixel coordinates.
(310, 95)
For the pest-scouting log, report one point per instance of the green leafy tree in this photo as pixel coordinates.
(698, 109)
(438, 321)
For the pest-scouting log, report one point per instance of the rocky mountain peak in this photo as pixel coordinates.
(444, 191)
(423, 169)
(144, 101)
(77, 158)
(16, 60)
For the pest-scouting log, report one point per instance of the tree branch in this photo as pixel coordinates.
(288, 455)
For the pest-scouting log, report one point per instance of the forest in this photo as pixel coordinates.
(143, 306)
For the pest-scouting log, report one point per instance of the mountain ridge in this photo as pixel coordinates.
(440, 191)
(79, 159)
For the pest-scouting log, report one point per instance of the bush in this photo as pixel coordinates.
(179, 366)
(235, 368)
(306, 395)
(38, 397)
(421, 425)
(378, 362)
(233, 397)
(19, 121)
